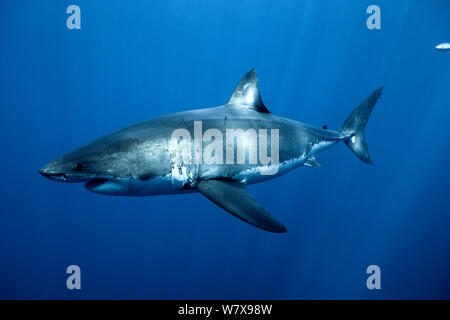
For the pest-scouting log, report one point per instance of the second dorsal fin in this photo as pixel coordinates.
(247, 93)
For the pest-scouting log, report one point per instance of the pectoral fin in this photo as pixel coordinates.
(233, 197)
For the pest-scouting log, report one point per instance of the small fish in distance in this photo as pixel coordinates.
(444, 46)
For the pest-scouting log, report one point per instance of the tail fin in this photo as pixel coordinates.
(355, 124)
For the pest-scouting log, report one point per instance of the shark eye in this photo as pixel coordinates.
(79, 167)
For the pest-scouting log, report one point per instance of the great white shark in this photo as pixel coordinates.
(139, 160)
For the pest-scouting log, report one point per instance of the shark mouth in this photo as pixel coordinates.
(62, 177)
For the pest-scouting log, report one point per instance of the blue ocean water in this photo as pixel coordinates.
(316, 61)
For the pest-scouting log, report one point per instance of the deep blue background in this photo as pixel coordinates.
(316, 61)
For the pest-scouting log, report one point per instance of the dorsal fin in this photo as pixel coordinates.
(247, 93)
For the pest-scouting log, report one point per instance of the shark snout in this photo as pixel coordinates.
(56, 172)
(53, 175)
(51, 171)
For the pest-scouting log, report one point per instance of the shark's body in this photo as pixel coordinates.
(139, 160)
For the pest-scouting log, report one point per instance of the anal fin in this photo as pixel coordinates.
(312, 162)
